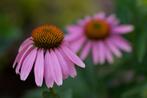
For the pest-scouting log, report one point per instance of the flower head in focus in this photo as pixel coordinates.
(100, 34)
(49, 55)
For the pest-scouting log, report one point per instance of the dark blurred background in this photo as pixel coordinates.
(126, 78)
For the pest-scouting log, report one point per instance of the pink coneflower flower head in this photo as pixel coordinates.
(49, 55)
(100, 34)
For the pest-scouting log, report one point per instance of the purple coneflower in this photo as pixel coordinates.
(49, 55)
(100, 34)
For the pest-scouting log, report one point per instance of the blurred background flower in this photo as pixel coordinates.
(100, 35)
(126, 78)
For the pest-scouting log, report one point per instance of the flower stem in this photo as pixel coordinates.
(50, 94)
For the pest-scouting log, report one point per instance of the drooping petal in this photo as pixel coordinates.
(23, 47)
(85, 51)
(121, 43)
(113, 48)
(71, 67)
(39, 67)
(95, 54)
(27, 42)
(77, 44)
(28, 64)
(102, 54)
(24, 53)
(63, 63)
(57, 69)
(74, 58)
(109, 56)
(123, 29)
(17, 59)
(48, 70)
(105, 53)
(72, 70)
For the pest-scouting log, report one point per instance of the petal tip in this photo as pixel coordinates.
(131, 28)
(60, 83)
(82, 65)
(74, 76)
(39, 84)
(22, 78)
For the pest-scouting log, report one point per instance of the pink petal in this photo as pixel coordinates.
(23, 53)
(100, 15)
(48, 70)
(71, 68)
(27, 42)
(17, 59)
(70, 65)
(102, 54)
(77, 44)
(73, 37)
(63, 63)
(39, 67)
(85, 51)
(28, 64)
(82, 22)
(123, 29)
(113, 48)
(113, 20)
(73, 57)
(25, 45)
(57, 69)
(22, 47)
(109, 56)
(73, 29)
(95, 53)
(121, 43)
(105, 53)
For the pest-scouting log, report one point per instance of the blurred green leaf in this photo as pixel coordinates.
(8, 32)
(49, 94)
(133, 93)
(44, 92)
(35, 93)
(66, 94)
(142, 46)
(142, 4)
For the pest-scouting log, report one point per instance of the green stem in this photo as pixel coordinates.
(52, 91)
(50, 94)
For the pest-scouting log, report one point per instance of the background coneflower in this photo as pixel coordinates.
(101, 34)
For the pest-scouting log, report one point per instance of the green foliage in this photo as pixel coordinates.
(57, 12)
(8, 32)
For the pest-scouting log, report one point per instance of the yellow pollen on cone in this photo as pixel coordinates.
(47, 36)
